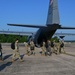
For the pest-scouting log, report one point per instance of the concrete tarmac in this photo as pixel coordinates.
(62, 64)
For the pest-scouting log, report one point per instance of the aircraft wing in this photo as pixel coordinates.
(38, 26)
(25, 25)
(64, 34)
(16, 33)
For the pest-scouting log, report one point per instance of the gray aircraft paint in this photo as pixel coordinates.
(53, 13)
(53, 23)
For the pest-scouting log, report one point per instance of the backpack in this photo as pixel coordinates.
(52, 44)
(0, 46)
(32, 47)
(62, 45)
(48, 44)
(13, 45)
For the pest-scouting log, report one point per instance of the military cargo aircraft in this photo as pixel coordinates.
(46, 31)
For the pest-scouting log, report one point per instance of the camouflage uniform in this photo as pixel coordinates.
(43, 48)
(53, 47)
(32, 47)
(27, 48)
(16, 52)
(57, 47)
(62, 46)
(48, 48)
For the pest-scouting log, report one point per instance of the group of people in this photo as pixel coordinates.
(16, 52)
(30, 48)
(52, 47)
(47, 49)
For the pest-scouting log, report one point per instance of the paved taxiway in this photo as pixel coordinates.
(63, 64)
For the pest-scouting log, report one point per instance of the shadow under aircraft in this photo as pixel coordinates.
(46, 32)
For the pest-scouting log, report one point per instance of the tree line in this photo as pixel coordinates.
(8, 38)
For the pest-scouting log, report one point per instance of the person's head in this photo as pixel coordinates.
(17, 40)
(31, 39)
(48, 40)
(43, 42)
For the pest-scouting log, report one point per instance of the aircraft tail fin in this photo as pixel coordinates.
(53, 14)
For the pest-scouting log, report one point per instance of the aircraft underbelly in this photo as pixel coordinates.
(43, 35)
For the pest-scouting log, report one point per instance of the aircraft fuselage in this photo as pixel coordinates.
(45, 33)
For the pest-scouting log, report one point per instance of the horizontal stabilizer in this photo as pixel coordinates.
(67, 28)
(23, 25)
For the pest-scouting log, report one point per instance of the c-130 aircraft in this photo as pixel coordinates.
(46, 32)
